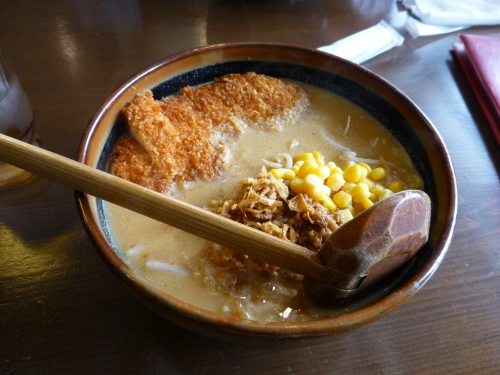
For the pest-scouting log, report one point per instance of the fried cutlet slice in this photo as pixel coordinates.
(182, 134)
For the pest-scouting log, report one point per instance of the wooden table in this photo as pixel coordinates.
(63, 312)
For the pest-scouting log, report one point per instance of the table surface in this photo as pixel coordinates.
(61, 309)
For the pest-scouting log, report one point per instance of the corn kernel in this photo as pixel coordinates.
(304, 157)
(364, 172)
(317, 155)
(378, 174)
(288, 174)
(329, 204)
(357, 189)
(373, 197)
(278, 173)
(351, 209)
(322, 172)
(337, 170)
(320, 162)
(347, 215)
(346, 164)
(368, 168)
(361, 196)
(384, 194)
(415, 182)
(308, 167)
(396, 186)
(376, 189)
(335, 181)
(297, 186)
(347, 186)
(358, 207)
(353, 173)
(342, 199)
(319, 193)
(331, 165)
(295, 168)
(311, 180)
(367, 203)
(369, 182)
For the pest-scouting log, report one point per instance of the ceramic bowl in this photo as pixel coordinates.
(356, 84)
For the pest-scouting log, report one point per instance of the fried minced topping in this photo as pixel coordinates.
(267, 204)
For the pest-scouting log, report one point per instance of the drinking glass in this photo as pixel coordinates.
(16, 120)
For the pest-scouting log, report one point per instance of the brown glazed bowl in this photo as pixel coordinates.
(358, 85)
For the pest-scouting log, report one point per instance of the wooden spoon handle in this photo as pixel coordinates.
(178, 214)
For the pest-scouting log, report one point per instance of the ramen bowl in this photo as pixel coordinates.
(350, 81)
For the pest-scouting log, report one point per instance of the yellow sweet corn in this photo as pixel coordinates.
(335, 181)
(351, 209)
(361, 196)
(415, 181)
(336, 170)
(364, 171)
(358, 188)
(347, 186)
(329, 204)
(308, 167)
(384, 194)
(377, 174)
(396, 186)
(331, 165)
(364, 165)
(366, 203)
(278, 173)
(318, 193)
(322, 172)
(346, 164)
(354, 173)
(347, 214)
(377, 189)
(320, 162)
(284, 173)
(342, 199)
(297, 186)
(369, 182)
(288, 174)
(304, 157)
(317, 155)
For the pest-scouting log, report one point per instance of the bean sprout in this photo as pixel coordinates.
(287, 159)
(347, 126)
(333, 142)
(272, 164)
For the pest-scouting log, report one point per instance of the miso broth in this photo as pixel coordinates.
(171, 259)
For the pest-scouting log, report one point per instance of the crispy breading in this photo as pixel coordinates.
(181, 134)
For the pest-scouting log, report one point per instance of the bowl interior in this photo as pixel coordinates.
(359, 86)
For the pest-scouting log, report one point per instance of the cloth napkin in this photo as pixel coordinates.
(445, 16)
(455, 12)
(479, 57)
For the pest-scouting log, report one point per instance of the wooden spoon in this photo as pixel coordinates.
(224, 231)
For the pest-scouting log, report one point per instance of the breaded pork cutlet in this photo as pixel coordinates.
(179, 138)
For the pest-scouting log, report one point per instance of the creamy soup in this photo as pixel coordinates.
(182, 264)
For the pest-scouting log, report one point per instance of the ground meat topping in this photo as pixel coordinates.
(266, 203)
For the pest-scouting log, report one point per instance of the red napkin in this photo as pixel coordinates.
(479, 57)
